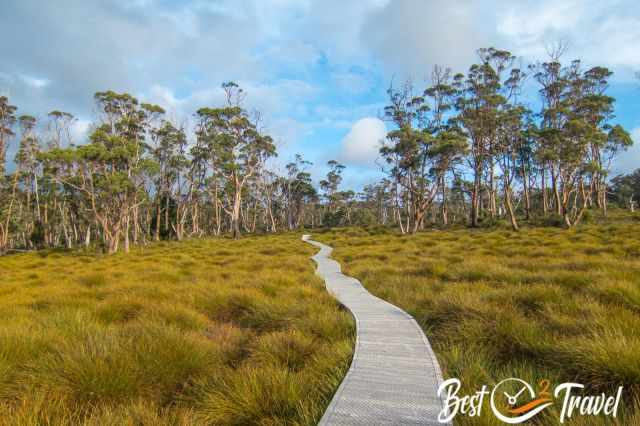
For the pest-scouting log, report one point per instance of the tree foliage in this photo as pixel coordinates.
(466, 148)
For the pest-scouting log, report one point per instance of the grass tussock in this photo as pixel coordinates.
(172, 334)
(540, 303)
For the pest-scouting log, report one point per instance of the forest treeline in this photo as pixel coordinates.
(466, 149)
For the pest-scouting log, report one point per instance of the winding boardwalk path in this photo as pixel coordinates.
(394, 375)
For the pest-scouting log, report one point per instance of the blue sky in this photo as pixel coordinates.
(317, 70)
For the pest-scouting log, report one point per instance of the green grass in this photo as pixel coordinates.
(198, 332)
(540, 303)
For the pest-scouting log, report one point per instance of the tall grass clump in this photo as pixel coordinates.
(196, 332)
(539, 303)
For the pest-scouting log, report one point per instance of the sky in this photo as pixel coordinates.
(316, 70)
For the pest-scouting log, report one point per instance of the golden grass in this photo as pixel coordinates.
(540, 303)
(198, 332)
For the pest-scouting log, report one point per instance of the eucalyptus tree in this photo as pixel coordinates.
(573, 147)
(525, 148)
(605, 140)
(330, 184)
(405, 113)
(60, 209)
(626, 189)
(449, 143)
(348, 200)
(204, 179)
(553, 82)
(480, 104)
(442, 95)
(423, 145)
(28, 166)
(140, 176)
(59, 128)
(7, 121)
(299, 191)
(511, 142)
(238, 150)
(577, 140)
(168, 149)
(332, 213)
(268, 187)
(7, 188)
(109, 171)
(377, 200)
(507, 154)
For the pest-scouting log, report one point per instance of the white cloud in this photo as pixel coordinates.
(287, 131)
(288, 55)
(165, 97)
(361, 145)
(629, 160)
(279, 95)
(36, 83)
(80, 131)
(603, 33)
(344, 116)
(531, 22)
(410, 37)
(274, 100)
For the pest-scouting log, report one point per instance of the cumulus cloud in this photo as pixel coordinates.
(194, 45)
(88, 46)
(362, 144)
(409, 37)
(309, 80)
(604, 33)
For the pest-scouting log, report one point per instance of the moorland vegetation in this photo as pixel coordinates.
(541, 303)
(193, 332)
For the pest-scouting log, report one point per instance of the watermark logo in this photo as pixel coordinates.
(514, 401)
(523, 402)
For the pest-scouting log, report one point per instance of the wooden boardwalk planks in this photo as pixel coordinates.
(394, 375)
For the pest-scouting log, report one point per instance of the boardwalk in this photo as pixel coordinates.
(394, 374)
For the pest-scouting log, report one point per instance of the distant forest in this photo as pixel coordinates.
(466, 149)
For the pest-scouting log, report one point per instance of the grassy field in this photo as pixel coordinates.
(540, 303)
(199, 332)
